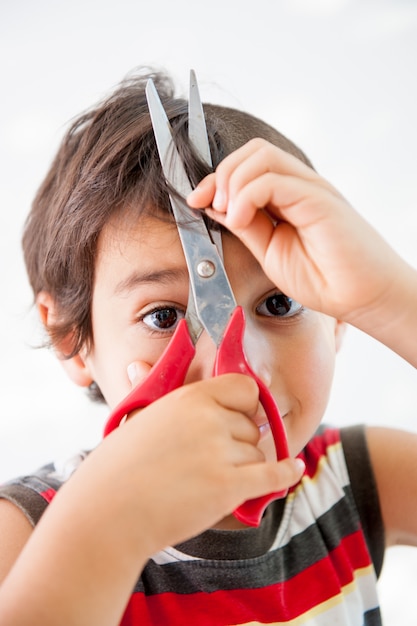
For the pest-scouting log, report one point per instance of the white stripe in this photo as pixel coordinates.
(310, 500)
(171, 555)
(314, 496)
(347, 608)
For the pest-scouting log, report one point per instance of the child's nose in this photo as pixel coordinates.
(203, 363)
(257, 350)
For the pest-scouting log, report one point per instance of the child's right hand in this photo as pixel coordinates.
(183, 463)
(173, 470)
(311, 243)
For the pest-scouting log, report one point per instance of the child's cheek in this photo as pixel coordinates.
(309, 384)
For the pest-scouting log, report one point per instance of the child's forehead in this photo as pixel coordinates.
(151, 240)
(142, 229)
(126, 250)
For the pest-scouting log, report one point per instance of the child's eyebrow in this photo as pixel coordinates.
(140, 278)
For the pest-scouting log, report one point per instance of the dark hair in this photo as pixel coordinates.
(107, 165)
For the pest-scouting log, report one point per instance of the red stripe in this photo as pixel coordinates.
(279, 602)
(317, 449)
(48, 494)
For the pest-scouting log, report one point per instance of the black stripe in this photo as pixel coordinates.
(365, 492)
(27, 500)
(303, 550)
(372, 618)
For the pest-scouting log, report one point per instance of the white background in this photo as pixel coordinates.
(337, 76)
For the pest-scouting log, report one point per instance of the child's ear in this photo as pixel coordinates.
(75, 367)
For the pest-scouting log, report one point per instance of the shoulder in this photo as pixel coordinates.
(32, 493)
(330, 456)
(15, 530)
(326, 449)
(340, 472)
(23, 500)
(393, 455)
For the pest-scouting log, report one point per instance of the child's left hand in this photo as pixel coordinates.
(309, 241)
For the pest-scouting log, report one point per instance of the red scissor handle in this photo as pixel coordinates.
(167, 374)
(231, 358)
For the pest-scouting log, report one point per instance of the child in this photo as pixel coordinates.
(141, 530)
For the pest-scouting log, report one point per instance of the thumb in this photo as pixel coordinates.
(137, 371)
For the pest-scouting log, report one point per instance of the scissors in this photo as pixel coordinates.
(211, 305)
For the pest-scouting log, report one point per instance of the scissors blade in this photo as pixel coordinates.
(197, 130)
(197, 134)
(211, 289)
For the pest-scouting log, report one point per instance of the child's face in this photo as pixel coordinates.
(141, 291)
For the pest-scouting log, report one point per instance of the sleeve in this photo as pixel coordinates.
(31, 503)
(32, 493)
(365, 492)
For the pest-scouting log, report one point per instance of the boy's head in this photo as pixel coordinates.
(107, 168)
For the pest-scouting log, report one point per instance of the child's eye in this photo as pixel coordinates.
(279, 305)
(164, 318)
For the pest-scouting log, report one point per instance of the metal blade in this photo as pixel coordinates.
(197, 129)
(176, 176)
(197, 134)
(212, 291)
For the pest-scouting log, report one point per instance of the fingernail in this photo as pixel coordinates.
(132, 372)
(218, 200)
(300, 466)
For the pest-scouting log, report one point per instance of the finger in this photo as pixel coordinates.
(253, 159)
(301, 202)
(241, 427)
(262, 237)
(137, 371)
(237, 392)
(267, 159)
(202, 196)
(244, 219)
(243, 453)
(260, 479)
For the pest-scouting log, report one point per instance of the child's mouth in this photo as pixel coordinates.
(263, 425)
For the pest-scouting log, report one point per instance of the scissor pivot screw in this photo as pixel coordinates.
(205, 269)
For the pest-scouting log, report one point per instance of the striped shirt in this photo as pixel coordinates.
(313, 560)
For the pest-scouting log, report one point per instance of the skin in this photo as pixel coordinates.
(293, 353)
(205, 438)
(316, 245)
